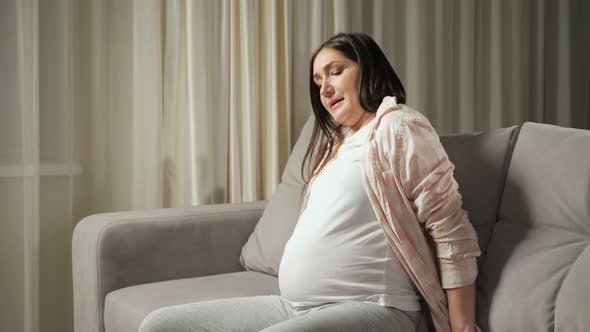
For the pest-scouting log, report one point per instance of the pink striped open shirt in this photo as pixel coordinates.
(409, 179)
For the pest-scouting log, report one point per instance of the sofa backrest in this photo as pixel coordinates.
(536, 273)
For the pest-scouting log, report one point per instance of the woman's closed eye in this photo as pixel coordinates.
(334, 73)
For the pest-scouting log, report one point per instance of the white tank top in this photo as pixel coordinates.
(338, 251)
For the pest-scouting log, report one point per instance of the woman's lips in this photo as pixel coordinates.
(336, 103)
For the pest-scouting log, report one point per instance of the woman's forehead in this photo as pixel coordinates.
(326, 58)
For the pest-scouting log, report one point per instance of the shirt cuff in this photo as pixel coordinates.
(458, 273)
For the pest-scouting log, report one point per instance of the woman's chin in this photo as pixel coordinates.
(338, 116)
(338, 121)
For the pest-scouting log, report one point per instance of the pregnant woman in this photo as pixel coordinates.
(382, 242)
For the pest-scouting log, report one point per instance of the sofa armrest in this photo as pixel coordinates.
(120, 249)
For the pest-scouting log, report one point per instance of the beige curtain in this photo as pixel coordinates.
(467, 65)
(238, 107)
(116, 105)
(38, 165)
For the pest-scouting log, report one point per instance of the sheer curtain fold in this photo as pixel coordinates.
(175, 156)
(245, 61)
(117, 105)
(146, 117)
(27, 22)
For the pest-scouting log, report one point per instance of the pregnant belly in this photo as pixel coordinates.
(320, 274)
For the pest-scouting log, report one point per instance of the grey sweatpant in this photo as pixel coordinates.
(271, 313)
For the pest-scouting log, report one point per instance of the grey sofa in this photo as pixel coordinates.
(526, 188)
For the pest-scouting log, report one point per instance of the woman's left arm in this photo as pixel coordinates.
(461, 302)
(426, 174)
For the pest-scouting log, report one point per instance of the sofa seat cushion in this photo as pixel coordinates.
(126, 308)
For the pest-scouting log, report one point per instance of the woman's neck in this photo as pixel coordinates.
(365, 118)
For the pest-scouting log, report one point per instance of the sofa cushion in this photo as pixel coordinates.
(535, 274)
(481, 163)
(264, 248)
(126, 308)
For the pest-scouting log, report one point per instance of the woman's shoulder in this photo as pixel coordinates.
(404, 130)
(398, 117)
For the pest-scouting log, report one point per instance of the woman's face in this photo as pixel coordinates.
(337, 77)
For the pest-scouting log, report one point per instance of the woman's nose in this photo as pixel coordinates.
(326, 90)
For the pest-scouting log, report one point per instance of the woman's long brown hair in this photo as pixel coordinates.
(377, 79)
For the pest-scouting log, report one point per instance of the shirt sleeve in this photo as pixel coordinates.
(426, 176)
